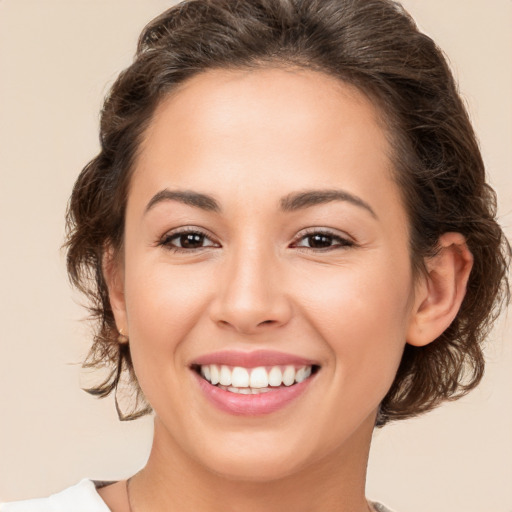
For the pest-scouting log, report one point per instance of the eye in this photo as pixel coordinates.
(322, 240)
(186, 240)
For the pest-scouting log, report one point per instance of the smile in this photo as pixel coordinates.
(253, 383)
(257, 380)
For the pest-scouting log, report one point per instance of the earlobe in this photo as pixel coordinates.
(441, 291)
(113, 273)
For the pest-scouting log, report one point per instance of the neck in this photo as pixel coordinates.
(173, 481)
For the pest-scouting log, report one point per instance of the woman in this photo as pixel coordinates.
(291, 241)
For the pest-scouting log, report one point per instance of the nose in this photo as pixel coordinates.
(251, 295)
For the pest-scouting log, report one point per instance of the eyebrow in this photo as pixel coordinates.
(290, 203)
(196, 199)
(308, 198)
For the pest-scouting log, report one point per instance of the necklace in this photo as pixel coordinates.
(128, 494)
(370, 507)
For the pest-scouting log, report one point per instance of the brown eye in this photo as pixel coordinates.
(319, 241)
(323, 240)
(190, 240)
(186, 240)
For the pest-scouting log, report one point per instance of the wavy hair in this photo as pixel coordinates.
(371, 44)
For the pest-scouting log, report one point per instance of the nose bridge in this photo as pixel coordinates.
(250, 297)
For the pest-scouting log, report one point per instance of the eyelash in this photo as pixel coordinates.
(342, 242)
(169, 237)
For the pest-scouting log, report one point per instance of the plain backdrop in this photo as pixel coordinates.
(57, 59)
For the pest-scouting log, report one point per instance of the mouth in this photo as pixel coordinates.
(256, 380)
(253, 383)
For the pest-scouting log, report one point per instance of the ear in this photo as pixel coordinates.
(113, 272)
(441, 291)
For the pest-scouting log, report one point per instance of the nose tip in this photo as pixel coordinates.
(244, 324)
(250, 301)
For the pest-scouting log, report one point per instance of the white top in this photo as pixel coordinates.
(81, 497)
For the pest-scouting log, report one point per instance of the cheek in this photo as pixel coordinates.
(362, 315)
(163, 303)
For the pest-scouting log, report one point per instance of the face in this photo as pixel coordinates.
(265, 244)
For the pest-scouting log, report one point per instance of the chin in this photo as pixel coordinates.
(252, 457)
(255, 469)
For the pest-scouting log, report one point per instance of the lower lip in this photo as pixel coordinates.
(251, 405)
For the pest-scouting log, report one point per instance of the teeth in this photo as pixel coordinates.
(239, 377)
(299, 377)
(275, 376)
(214, 372)
(303, 374)
(225, 376)
(289, 376)
(245, 391)
(259, 378)
(205, 372)
(253, 380)
(307, 373)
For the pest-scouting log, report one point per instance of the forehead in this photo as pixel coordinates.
(273, 127)
(264, 100)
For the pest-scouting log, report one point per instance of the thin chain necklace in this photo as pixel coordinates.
(128, 494)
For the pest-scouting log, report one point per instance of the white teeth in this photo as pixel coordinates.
(275, 376)
(299, 376)
(214, 373)
(240, 377)
(242, 391)
(289, 376)
(259, 378)
(205, 372)
(245, 391)
(245, 380)
(303, 374)
(225, 376)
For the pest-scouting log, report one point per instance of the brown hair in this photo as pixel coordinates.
(372, 44)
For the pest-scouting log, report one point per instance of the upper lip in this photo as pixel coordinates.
(252, 359)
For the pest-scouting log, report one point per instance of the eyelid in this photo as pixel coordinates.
(183, 230)
(346, 239)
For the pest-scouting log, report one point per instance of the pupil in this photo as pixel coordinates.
(191, 240)
(319, 241)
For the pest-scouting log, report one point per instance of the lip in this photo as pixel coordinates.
(251, 405)
(252, 359)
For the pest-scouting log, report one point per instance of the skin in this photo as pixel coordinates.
(249, 139)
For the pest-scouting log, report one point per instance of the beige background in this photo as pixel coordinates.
(57, 58)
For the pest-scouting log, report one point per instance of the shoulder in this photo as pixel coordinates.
(81, 497)
(378, 507)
